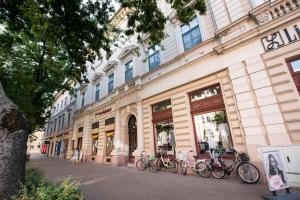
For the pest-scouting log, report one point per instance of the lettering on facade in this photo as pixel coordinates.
(104, 111)
(281, 38)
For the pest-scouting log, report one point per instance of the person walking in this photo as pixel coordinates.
(76, 155)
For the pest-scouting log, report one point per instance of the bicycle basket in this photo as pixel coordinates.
(243, 157)
(151, 157)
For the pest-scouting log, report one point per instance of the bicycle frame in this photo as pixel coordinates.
(228, 169)
(165, 163)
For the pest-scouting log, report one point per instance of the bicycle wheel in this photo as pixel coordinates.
(203, 169)
(248, 173)
(159, 165)
(173, 166)
(140, 165)
(217, 171)
(153, 166)
(183, 167)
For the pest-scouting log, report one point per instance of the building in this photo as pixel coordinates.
(228, 78)
(34, 144)
(58, 134)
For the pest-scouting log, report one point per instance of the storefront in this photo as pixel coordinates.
(163, 127)
(209, 119)
(94, 139)
(196, 116)
(109, 128)
(57, 148)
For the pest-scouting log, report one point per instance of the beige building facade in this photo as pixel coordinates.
(231, 78)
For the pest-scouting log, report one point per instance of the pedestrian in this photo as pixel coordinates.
(76, 155)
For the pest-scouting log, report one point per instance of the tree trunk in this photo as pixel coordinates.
(13, 139)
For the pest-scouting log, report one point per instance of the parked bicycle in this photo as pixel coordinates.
(199, 166)
(247, 172)
(168, 162)
(146, 162)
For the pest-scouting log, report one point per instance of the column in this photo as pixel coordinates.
(117, 139)
(140, 128)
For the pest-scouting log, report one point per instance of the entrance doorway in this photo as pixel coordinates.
(132, 133)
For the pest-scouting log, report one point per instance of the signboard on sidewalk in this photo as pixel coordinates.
(274, 169)
(44, 148)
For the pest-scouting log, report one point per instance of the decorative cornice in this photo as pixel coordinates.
(127, 50)
(110, 65)
(97, 77)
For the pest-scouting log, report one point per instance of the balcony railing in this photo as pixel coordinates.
(272, 10)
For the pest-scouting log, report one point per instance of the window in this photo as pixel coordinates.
(154, 57)
(206, 92)
(97, 92)
(66, 99)
(210, 122)
(128, 71)
(165, 140)
(109, 142)
(55, 121)
(63, 121)
(57, 107)
(94, 144)
(110, 83)
(162, 106)
(62, 103)
(294, 67)
(82, 99)
(69, 118)
(191, 34)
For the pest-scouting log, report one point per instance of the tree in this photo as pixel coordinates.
(45, 43)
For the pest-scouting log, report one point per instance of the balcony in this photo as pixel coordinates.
(274, 9)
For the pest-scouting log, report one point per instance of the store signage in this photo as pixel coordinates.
(274, 169)
(104, 111)
(44, 148)
(281, 38)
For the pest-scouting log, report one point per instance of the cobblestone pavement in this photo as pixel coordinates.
(104, 182)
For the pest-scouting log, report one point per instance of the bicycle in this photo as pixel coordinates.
(247, 172)
(146, 162)
(199, 166)
(170, 163)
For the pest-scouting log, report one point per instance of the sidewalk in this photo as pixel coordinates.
(104, 182)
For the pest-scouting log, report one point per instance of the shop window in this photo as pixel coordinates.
(94, 144)
(95, 125)
(210, 123)
(206, 92)
(212, 132)
(109, 142)
(80, 129)
(73, 144)
(191, 34)
(82, 99)
(109, 121)
(97, 92)
(110, 83)
(163, 127)
(128, 71)
(162, 106)
(79, 143)
(154, 57)
(165, 140)
(294, 67)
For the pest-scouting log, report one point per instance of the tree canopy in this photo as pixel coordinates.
(44, 43)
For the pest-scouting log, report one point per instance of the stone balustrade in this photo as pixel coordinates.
(274, 9)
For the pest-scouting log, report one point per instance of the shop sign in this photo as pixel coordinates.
(104, 111)
(281, 38)
(274, 169)
(44, 148)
